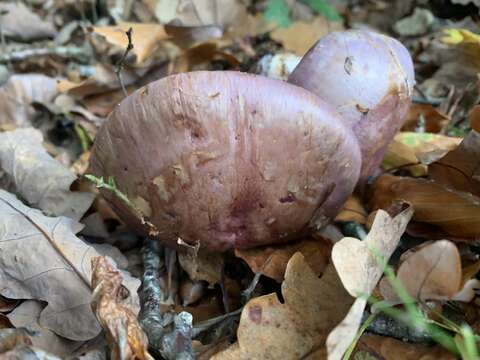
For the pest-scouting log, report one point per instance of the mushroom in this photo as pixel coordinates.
(368, 78)
(226, 160)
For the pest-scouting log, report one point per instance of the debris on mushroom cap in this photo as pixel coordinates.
(368, 78)
(227, 159)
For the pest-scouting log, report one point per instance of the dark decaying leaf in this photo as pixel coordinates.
(460, 168)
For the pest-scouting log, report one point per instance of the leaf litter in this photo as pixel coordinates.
(59, 80)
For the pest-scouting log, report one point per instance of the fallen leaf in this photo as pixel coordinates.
(311, 32)
(311, 308)
(19, 92)
(42, 259)
(454, 212)
(25, 161)
(419, 23)
(27, 316)
(417, 148)
(145, 37)
(20, 23)
(353, 210)
(7, 305)
(342, 336)
(431, 271)
(103, 79)
(386, 348)
(124, 334)
(272, 261)
(199, 12)
(466, 40)
(474, 118)
(357, 262)
(401, 156)
(359, 268)
(201, 265)
(434, 119)
(11, 338)
(460, 168)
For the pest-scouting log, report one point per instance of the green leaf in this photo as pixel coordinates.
(325, 9)
(278, 12)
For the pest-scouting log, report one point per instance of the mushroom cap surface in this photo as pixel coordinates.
(226, 159)
(368, 78)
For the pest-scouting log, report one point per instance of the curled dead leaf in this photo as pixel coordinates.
(124, 335)
(359, 266)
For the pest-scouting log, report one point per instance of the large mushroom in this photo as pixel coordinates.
(226, 159)
(368, 78)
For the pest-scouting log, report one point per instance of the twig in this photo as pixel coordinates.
(387, 326)
(170, 336)
(75, 52)
(207, 324)
(247, 293)
(121, 62)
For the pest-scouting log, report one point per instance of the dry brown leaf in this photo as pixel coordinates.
(435, 120)
(353, 210)
(124, 334)
(19, 92)
(474, 118)
(7, 305)
(19, 22)
(415, 148)
(431, 271)
(359, 268)
(386, 348)
(145, 37)
(401, 156)
(201, 265)
(42, 259)
(103, 80)
(24, 161)
(272, 261)
(271, 330)
(12, 338)
(460, 168)
(455, 213)
(310, 33)
(27, 316)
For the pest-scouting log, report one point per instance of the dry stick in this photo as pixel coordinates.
(75, 52)
(121, 62)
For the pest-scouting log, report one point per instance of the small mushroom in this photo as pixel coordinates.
(226, 159)
(368, 78)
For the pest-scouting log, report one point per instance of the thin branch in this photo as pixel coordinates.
(121, 62)
(74, 52)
